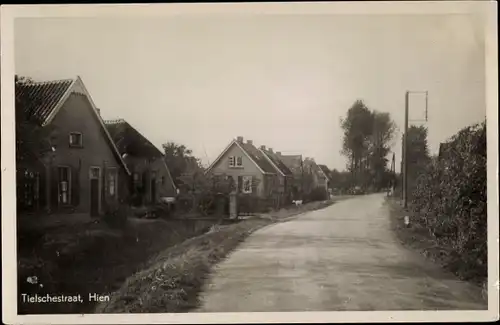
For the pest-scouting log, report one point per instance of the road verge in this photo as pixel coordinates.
(172, 280)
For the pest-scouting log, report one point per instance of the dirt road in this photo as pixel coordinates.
(344, 257)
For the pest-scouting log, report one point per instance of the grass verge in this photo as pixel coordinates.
(92, 258)
(172, 280)
(416, 237)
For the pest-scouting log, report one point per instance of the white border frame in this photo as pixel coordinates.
(487, 9)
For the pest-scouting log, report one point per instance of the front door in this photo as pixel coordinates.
(153, 187)
(94, 191)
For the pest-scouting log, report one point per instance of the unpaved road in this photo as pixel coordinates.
(344, 257)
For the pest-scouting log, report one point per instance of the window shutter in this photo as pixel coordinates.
(54, 186)
(240, 184)
(104, 186)
(75, 186)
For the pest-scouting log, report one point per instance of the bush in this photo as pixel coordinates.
(317, 194)
(450, 198)
(116, 215)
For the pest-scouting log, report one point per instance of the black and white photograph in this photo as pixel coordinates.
(250, 162)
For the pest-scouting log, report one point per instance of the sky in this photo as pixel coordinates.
(283, 81)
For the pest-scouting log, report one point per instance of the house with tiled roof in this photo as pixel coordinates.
(320, 176)
(285, 175)
(325, 171)
(83, 168)
(150, 181)
(295, 164)
(248, 169)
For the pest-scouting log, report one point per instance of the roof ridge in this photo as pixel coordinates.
(115, 121)
(45, 82)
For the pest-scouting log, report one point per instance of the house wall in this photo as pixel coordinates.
(248, 169)
(76, 115)
(144, 168)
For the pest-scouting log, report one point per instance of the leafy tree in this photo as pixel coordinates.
(358, 127)
(379, 147)
(367, 140)
(180, 160)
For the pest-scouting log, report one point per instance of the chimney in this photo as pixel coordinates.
(263, 147)
(278, 153)
(239, 139)
(98, 111)
(270, 150)
(249, 141)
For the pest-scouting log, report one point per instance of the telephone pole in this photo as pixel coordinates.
(405, 142)
(405, 154)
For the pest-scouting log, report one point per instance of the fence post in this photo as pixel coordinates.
(233, 206)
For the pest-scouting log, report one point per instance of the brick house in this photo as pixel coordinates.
(83, 168)
(247, 168)
(319, 176)
(150, 180)
(285, 175)
(326, 173)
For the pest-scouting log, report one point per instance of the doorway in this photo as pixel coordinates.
(153, 187)
(95, 173)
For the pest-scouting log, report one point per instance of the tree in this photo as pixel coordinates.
(379, 147)
(358, 127)
(418, 157)
(367, 140)
(180, 161)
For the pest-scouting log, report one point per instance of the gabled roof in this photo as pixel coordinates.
(277, 163)
(254, 154)
(293, 162)
(41, 101)
(131, 142)
(443, 148)
(325, 170)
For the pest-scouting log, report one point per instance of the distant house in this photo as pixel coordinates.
(247, 168)
(150, 181)
(285, 175)
(326, 173)
(444, 149)
(319, 177)
(296, 166)
(83, 168)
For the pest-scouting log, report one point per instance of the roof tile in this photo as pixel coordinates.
(39, 99)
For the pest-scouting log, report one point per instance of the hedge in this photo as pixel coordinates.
(450, 201)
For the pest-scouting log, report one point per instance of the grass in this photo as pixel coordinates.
(418, 238)
(92, 258)
(172, 280)
(414, 236)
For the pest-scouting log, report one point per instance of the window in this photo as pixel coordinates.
(75, 140)
(94, 172)
(64, 187)
(163, 180)
(247, 184)
(112, 180)
(235, 161)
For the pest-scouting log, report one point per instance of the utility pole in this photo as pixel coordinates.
(405, 154)
(405, 142)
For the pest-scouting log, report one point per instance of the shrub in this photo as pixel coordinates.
(116, 215)
(317, 194)
(451, 200)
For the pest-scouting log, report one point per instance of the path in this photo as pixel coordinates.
(344, 257)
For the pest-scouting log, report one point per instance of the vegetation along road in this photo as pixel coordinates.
(343, 257)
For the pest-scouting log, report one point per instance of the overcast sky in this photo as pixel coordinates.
(282, 81)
